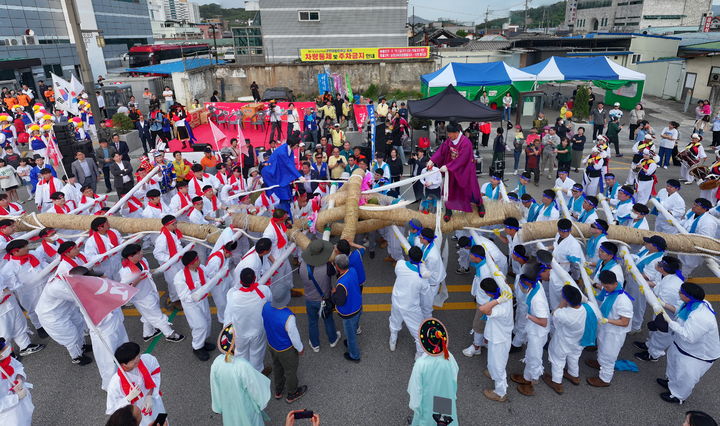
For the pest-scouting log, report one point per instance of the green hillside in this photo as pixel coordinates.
(554, 16)
(214, 10)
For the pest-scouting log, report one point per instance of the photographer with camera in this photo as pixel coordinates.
(275, 121)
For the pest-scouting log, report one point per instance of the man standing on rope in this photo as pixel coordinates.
(281, 171)
(456, 155)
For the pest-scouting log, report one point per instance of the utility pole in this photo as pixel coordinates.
(85, 70)
(525, 21)
(543, 20)
(487, 13)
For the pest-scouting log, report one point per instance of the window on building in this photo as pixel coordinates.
(652, 17)
(636, 58)
(593, 4)
(308, 15)
(54, 69)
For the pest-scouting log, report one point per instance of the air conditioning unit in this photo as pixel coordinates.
(13, 42)
(29, 39)
(714, 79)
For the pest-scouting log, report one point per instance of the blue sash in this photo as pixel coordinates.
(533, 212)
(413, 267)
(520, 190)
(530, 296)
(427, 249)
(604, 267)
(637, 224)
(608, 300)
(576, 203)
(591, 324)
(592, 244)
(491, 193)
(478, 266)
(693, 227)
(645, 261)
(548, 209)
(585, 215)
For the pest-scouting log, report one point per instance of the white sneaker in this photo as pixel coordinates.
(333, 344)
(664, 167)
(515, 172)
(314, 348)
(358, 331)
(471, 351)
(393, 344)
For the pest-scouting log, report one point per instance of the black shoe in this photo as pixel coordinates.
(514, 349)
(349, 358)
(345, 342)
(645, 356)
(82, 360)
(292, 397)
(201, 354)
(663, 382)
(372, 255)
(667, 397)
(209, 347)
(640, 345)
(619, 155)
(87, 347)
(156, 333)
(31, 349)
(175, 337)
(42, 333)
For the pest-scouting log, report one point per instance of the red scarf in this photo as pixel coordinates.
(84, 200)
(189, 279)
(133, 267)
(8, 238)
(157, 206)
(219, 254)
(198, 189)
(252, 287)
(172, 248)
(50, 251)
(266, 202)
(100, 243)
(221, 177)
(72, 262)
(184, 201)
(61, 209)
(24, 259)
(251, 251)
(148, 382)
(51, 182)
(13, 207)
(214, 203)
(134, 204)
(7, 369)
(280, 229)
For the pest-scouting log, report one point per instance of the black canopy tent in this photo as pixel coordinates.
(450, 105)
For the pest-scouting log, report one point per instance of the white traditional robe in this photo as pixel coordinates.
(667, 289)
(14, 410)
(109, 267)
(675, 204)
(704, 225)
(116, 395)
(161, 253)
(147, 300)
(407, 295)
(244, 312)
(60, 316)
(196, 313)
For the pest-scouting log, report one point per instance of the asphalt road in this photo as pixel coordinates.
(373, 392)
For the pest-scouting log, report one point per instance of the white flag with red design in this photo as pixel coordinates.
(100, 296)
(217, 134)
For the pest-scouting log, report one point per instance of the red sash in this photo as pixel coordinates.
(156, 206)
(72, 261)
(198, 189)
(100, 243)
(134, 204)
(5, 365)
(280, 230)
(221, 177)
(219, 254)
(5, 212)
(133, 267)
(214, 203)
(189, 279)
(172, 248)
(50, 251)
(95, 198)
(27, 258)
(251, 251)
(8, 238)
(51, 183)
(148, 382)
(252, 287)
(184, 201)
(237, 181)
(61, 209)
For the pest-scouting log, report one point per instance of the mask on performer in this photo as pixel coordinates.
(634, 215)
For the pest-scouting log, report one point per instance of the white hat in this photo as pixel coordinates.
(648, 137)
(695, 136)
(616, 104)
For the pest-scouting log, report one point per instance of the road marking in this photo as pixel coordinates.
(712, 297)
(705, 280)
(155, 341)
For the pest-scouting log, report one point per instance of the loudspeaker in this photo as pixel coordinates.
(68, 151)
(64, 133)
(200, 147)
(87, 148)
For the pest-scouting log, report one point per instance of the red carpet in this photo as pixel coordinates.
(259, 137)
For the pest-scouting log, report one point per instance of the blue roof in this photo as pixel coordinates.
(177, 66)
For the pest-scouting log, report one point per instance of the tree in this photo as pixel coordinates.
(581, 109)
(461, 33)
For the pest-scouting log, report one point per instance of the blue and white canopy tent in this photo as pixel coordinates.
(622, 84)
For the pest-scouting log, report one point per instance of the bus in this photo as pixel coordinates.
(153, 54)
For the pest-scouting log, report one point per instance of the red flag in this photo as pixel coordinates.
(241, 141)
(53, 153)
(361, 114)
(217, 134)
(100, 296)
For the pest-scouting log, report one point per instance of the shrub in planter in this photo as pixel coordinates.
(122, 123)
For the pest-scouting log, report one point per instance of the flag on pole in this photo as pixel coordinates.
(371, 114)
(241, 141)
(53, 153)
(217, 134)
(65, 96)
(348, 88)
(76, 85)
(99, 296)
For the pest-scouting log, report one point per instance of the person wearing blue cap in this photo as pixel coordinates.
(646, 260)
(15, 399)
(491, 189)
(617, 311)
(414, 233)
(673, 202)
(668, 290)
(548, 209)
(695, 344)
(698, 221)
(588, 214)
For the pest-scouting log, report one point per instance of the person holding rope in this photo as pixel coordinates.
(697, 221)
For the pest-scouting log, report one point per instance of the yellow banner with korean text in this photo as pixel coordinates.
(364, 54)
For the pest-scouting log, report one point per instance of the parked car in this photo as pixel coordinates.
(278, 94)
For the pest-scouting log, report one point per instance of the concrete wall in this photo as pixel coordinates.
(702, 66)
(473, 57)
(653, 48)
(301, 78)
(664, 79)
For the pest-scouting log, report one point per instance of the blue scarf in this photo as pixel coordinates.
(411, 238)
(687, 308)
(415, 267)
(602, 266)
(612, 192)
(491, 193)
(533, 212)
(592, 245)
(478, 266)
(591, 324)
(576, 203)
(641, 264)
(586, 214)
(693, 227)
(548, 209)
(427, 250)
(637, 224)
(608, 300)
(530, 296)
(520, 190)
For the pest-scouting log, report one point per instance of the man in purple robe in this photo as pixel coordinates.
(280, 170)
(456, 154)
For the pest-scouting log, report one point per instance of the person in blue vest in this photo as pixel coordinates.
(348, 302)
(356, 264)
(285, 349)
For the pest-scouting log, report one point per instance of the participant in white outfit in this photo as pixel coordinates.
(409, 288)
(646, 176)
(498, 333)
(625, 202)
(155, 208)
(180, 202)
(46, 251)
(522, 257)
(666, 289)
(698, 221)
(491, 189)
(16, 406)
(646, 260)
(637, 218)
(550, 278)
(697, 152)
(695, 344)
(95, 201)
(478, 261)
(200, 180)
(266, 203)
(133, 207)
(46, 186)
(595, 163)
(70, 257)
(257, 258)
(512, 238)
(548, 209)
(10, 209)
(72, 191)
(617, 310)
(226, 236)
(197, 312)
(567, 249)
(564, 183)
(536, 329)
(22, 272)
(138, 383)
(607, 253)
(136, 273)
(434, 263)
(101, 240)
(610, 189)
(671, 199)
(282, 282)
(244, 312)
(219, 262)
(588, 214)
(13, 324)
(576, 201)
(598, 230)
(166, 246)
(574, 326)
(59, 204)
(151, 184)
(213, 208)
(198, 218)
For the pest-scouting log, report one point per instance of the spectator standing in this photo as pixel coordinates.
(418, 161)
(348, 302)
(104, 156)
(336, 164)
(396, 170)
(310, 126)
(105, 132)
(316, 273)
(667, 142)
(101, 104)
(578, 145)
(507, 106)
(615, 111)
(9, 181)
(563, 154)
(214, 97)
(484, 98)
(716, 130)
(636, 116)
(255, 90)
(143, 128)
(540, 122)
(518, 145)
(11, 157)
(599, 116)
(613, 134)
(549, 142)
(169, 97)
(121, 171)
(85, 170)
(498, 147)
(292, 119)
(121, 147)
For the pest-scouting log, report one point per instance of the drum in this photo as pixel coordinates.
(699, 172)
(710, 182)
(687, 157)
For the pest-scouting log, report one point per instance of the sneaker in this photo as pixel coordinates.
(314, 348)
(349, 358)
(42, 333)
(491, 395)
(87, 347)
(82, 360)
(209, 347)
(292, 397)
(462, 271)
(358, 331)
(515, 172)
(663, 382)
(175, 337)
(156, 333)
(278, 395)
(645, 356)
(667, 397)
(337, 339)
(393, 343)
(201, 354)
(471, 351)
(640, 345)
(664, 167)
(31, 349)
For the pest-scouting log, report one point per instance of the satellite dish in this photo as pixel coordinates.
(29, 32)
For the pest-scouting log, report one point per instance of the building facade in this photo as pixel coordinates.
(182, 10)
(634, 15)
(288, 27)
